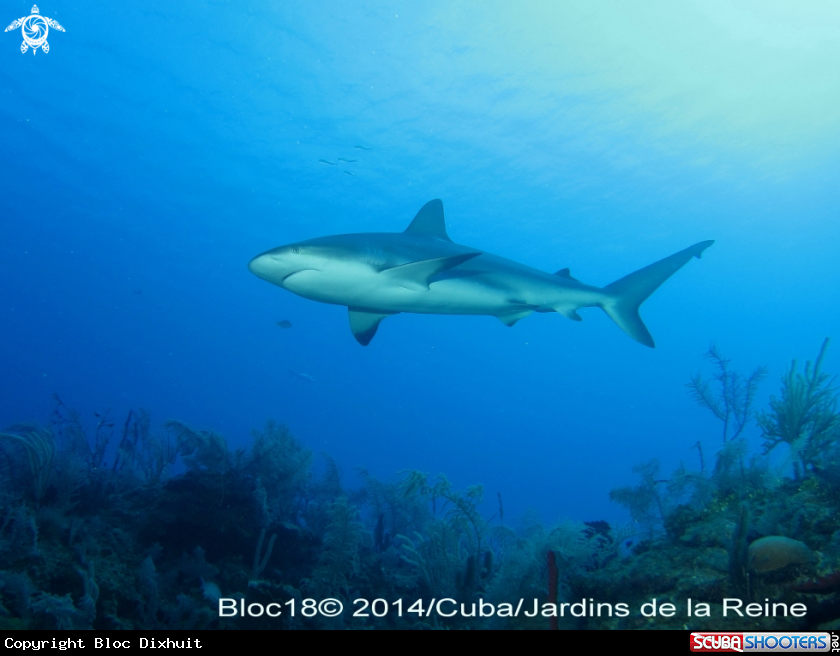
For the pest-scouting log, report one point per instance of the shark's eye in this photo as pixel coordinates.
(295, 250)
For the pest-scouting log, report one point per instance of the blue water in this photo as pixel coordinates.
(159, 146)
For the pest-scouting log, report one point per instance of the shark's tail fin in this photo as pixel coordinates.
(624, 296)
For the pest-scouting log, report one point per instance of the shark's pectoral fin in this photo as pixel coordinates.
(364, 323)
(417, 275)
(513, 316)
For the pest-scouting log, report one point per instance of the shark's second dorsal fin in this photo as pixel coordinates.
(565, 273)
(429, 221)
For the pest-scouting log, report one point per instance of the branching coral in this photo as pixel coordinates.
(158, 455)
(805, 415)
(396, 508)
(18, 533)
(732, 401)
(39, 444)
(260, 558)
(462, 510)
(436, 555)
(141, 454)
(339, 559)
(58, 612)
(448, 553)
(644, 501)
(67, 423)
(282, 466)
(202, 450)
(144, 453)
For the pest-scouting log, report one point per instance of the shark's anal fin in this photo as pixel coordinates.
(417, 275)
(429, 221)
(569, 313)
(364, 323)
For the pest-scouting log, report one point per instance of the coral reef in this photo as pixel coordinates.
(124, 525)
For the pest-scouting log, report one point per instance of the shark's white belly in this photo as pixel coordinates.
(454, 296)
(480, 293)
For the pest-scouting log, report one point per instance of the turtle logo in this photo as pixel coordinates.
(35, 29)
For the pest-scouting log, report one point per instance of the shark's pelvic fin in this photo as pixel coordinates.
(429, 221)
(627, 294)
(515, 315)
(417, 275)
(364, 323)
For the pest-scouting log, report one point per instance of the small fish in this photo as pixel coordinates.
(362, 147)
(284, 324)
(326, 161)
(349, 161)
(302, 376)
(348, 173)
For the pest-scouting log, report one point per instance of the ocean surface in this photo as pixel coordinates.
(158, 147)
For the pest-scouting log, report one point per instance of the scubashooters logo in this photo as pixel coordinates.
(798, 642)
(35, 29)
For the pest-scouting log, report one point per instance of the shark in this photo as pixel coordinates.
(422, 271)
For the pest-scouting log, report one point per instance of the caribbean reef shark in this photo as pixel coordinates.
(377, 275)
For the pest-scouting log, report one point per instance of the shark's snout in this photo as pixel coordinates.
(260, 266)
(277, 267)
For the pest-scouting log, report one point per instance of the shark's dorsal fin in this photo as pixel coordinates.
(416, 276)
(429, 221)
(364, 323)
(565, 273)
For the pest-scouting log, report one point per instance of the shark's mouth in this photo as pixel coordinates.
(294, 273)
